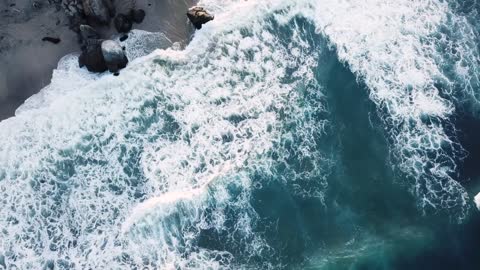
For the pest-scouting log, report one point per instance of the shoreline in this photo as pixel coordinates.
(27, 62)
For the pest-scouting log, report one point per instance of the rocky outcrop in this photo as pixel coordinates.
(102, 12)
(199, 16)
(92, 57)
(74, 11)
(99, 10)
(88, 33)
(72, 7)
(81, 11)
(114, 56)
(100, 55)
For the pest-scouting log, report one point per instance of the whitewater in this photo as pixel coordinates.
(173, 164)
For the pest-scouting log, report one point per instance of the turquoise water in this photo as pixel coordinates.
(287, 135)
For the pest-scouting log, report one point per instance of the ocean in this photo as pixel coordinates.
(307, 134)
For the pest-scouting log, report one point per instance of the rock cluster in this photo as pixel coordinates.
(199, 16)
(75, 13)
(72, 7)
(102, 12)
(100, 55)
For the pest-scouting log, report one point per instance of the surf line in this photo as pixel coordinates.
(149, 205)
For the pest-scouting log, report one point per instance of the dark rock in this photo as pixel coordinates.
(114, 56)
(123, 38)
(98, 10)
(199, 16)
(87, 32)
(92, 58)
(122, 23)
(51, 39)
(137, 15)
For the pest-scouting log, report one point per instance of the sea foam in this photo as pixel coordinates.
(118, 169)
(477, 201)
(108, 172)
(394, 49)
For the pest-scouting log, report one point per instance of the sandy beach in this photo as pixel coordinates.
(27, 62)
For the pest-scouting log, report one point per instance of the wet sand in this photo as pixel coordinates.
(27, 62)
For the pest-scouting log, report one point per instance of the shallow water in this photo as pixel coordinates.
(286, 135)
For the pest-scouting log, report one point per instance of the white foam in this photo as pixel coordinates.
(397, 49)
(477, 201)
(142, 209)
(71, 77)
(141, 43)
(391, 46)
(116, 172)
(94, 154)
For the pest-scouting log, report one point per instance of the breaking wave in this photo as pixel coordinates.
(158, 167)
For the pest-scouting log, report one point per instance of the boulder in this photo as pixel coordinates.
(114, 55)
(92, 58)
(122, 23)
(102, 55)
(87, 32)
(137, 15)
(199, 16)
(99, 55)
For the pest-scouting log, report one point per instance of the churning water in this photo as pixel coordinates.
(307, 134)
